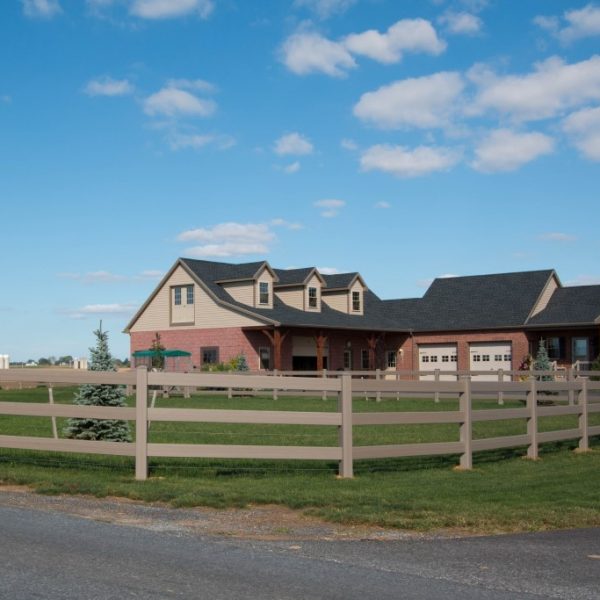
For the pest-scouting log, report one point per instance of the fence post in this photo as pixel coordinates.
(532, 422)
(436, 377)
(324, 391)
(51, 401)
(141, 424)
(571, 391)
(275, 396)
(378, 378)
(500, 392)
(345, 431)
(583, 416)
(466, 426)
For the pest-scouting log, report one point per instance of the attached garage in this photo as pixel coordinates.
(438, 356)
(304, 353)
(490, 356)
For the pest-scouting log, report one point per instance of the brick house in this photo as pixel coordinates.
(300, 319)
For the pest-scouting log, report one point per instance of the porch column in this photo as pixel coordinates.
(320, 341)
(372, 345)
(276, 338)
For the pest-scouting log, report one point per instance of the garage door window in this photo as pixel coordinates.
(424, 358)
(476, 358)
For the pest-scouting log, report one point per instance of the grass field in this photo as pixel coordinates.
(502, 493)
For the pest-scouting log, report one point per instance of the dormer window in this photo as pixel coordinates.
(190, 294)
(355, 301)
(312, 297)
(263, 293)
(177, 296)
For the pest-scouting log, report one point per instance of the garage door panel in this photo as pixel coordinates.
(438, 356)
(490, 356)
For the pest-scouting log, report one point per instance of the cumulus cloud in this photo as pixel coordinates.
(107, 86)
(407, 35)
(461, 23)
(178, 140)
(169, 9)
(292, 168)
(325, 8)
(330, 207)
(556, 236)
(175, 102)
(107, 310)
(574, 25)
(506, 150)
(41, 9)
(583, 128)
(294, 144)
(309, 52)
(423, 102)
(408, 162)
(551, 89)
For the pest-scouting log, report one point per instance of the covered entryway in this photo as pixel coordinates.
(490, 356)
(304, 353)
(438, 356)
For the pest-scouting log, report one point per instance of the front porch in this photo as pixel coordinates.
(568, 348)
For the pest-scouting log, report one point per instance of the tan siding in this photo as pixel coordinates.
(337, 301)
(292, 297)
(241, 292)
(209, 314)
(545, 297)
(268, 278)
(314, 281)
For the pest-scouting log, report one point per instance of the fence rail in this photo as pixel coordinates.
(586, 395)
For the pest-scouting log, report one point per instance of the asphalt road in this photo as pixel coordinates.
(59, 556)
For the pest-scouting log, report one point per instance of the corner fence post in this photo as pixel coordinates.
(378, 379)
(532, 421)
(500, 392)
(141, 424)
(345, 431)
(583, 416)
(466, 426)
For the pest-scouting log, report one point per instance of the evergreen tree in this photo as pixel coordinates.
(542, 362)
(99, 395)
(158, 358)
(242, 363)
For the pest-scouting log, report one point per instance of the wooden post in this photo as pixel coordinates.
(378, 378)
(141, 424)
(229, 393)
(571, 392)
(346, 469)
(532, 422)
(324, 391)
(51, 401)
(436, 377)
(275, 396)
(500, 392)
(584, 445)
(466, 426)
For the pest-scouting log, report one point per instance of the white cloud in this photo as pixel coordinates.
(406, 35)
(181, 141)
(287, 224)
(108, 310)
(556, 236)
(108, 277)
(383, 204)
(506, 150)
(107, 86)
(583, 128)
(41, 9)
(461, 23)
(292, 168)
(293, 143)
(325, 8)
(578, 23)
(406, 162)
(584, 280)
(232, 239)
(304, 53)
(423, 102)
(330, 207)
(150, 274)
(348, 144)
(328, 270)
(552, 88)
(168, 9)
(200, 85)
(174, 102)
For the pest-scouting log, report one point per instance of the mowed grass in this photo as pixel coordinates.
(502, 493)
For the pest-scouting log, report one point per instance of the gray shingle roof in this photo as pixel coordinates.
(570, 306)
(339, 280)
(292, 276)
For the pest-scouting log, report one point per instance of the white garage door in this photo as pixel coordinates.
(490, 356)
(437, 356)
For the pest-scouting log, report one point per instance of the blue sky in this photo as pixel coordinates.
(403, 139)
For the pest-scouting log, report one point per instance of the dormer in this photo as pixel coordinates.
(300, 288)
(345, 292)
(252, 285)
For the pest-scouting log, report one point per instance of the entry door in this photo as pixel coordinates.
(581, 349)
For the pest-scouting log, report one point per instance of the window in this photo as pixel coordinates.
(348, 359)
(355, 301)
(263, 289)
(485, 358)
(497, 357)
(312, 297)
(177, 296)
(580, 348)
(424, 358)
(476, 358)
(434, 358)
(445, 358)
(209, 355)
(453, 358)
(264, 354)
(391, 359)
(190, 294)
(556, 348)
(508, 357)
(364, 359)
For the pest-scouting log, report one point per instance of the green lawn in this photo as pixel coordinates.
(502, 493)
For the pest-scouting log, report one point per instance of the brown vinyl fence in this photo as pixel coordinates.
(584, 392)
